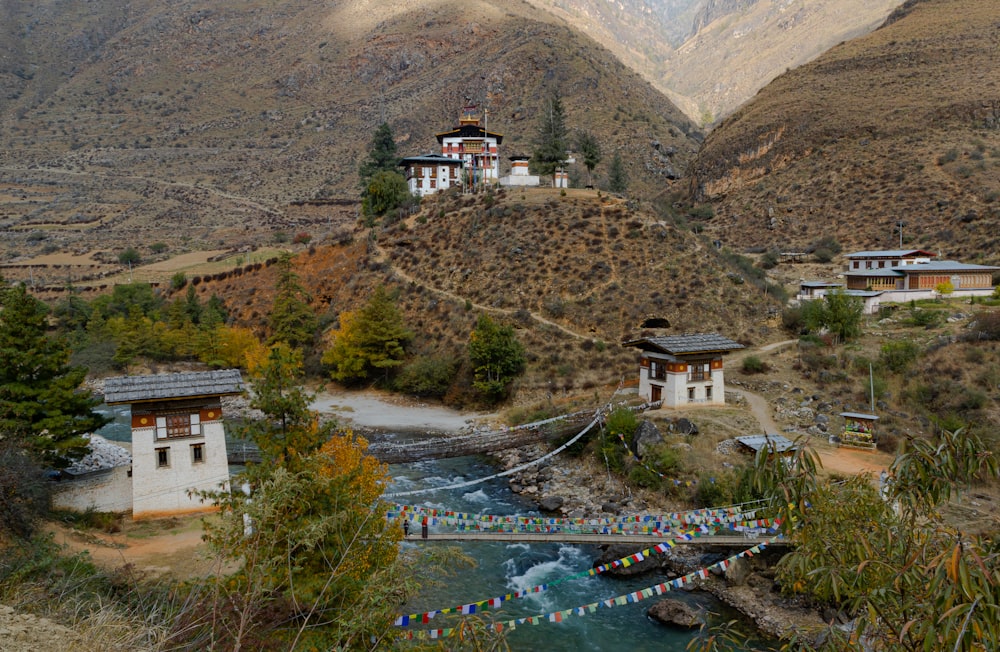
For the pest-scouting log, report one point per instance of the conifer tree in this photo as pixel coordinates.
(552, 139)
(617, 178)
(292, 319)
(42, 407)
(370, 341)
(382, 155)
(590, 149)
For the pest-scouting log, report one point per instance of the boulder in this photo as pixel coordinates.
(675, 614)
(647, 436)
(738, 571)
(686, 427)
(551, 503)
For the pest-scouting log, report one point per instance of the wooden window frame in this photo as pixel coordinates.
(197, 453)
(163, 457)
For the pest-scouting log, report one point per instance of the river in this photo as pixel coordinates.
(503, 568)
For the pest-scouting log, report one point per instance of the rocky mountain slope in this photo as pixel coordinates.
(902, 125)
(197, 123)
(710, 56)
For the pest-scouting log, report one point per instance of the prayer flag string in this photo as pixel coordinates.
(583, 610)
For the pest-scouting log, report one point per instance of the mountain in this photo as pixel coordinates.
(710, 56)
(206, 124)
(901, 125)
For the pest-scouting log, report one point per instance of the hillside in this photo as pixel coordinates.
(575, 274)
(204, 124)
(900, 125)
(710, 56)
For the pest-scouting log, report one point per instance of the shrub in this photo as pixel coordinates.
(129, 257)
(427, 376)
(753, 365)
(158, 247)
(924, 318)
(178, 281)
(301, 238)
(898, 356)
(770, 259)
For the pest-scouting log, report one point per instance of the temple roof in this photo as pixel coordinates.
(687, 343)
(164, 387)
(469, 131)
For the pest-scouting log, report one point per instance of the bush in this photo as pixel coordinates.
(427, 376)
(129, 257)
(753, 365)
(178, 281)
(898, 356)
(987, 325)
(158, 247)
(925, 318)
(770, 259)
(301, 238)
(24, 489)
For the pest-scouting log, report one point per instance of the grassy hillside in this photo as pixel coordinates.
(205, 124)
(900, 125)
(575, 274)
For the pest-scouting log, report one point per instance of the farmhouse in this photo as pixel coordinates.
(683, 370)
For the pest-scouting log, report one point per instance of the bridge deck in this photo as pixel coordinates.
(597, 539)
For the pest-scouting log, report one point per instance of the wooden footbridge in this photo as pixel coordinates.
(400, 450)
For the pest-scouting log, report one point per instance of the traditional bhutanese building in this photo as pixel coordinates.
(682, 370)
(913, 269)
(178, 439)
(475, 146)
(431, 173)
(520, 175)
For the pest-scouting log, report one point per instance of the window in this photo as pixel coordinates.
(690, 393)
(178, 425)
(708, 393)
(657, 370)
(197, 453)
(162, 457)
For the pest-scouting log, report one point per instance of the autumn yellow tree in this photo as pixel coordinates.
(370, 341)
(318, 566)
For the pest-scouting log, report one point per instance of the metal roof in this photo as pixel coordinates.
(946, 266)
(158, 387)
(859, 415)
(889, 253)
(688, 343)
(886, 271)
(820, 284)
(776, 443)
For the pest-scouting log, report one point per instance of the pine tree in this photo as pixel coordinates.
(381, 155)
(617, 179)
(292, 319)
(552, 139)
(370, 341)
(41, 404)
(590, 149)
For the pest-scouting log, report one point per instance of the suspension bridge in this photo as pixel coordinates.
(726, 540)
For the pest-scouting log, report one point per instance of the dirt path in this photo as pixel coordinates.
(843, 461)
(152, 548)
(372, 409)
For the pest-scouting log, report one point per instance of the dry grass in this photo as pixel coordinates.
(901, 124)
